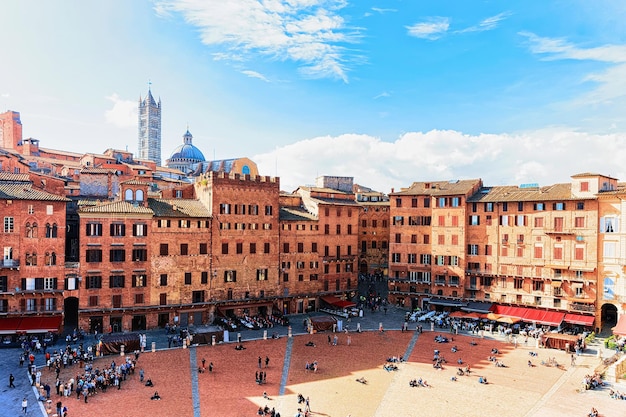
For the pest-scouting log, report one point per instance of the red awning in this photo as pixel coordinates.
(39, 324)
(9, 325)
(579, 319)
(532, 315)
(337, 302)
(620, 329)
(551, 318)
(518, 312)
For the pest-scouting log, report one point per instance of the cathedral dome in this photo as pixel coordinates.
(187, 152)
(185, 155)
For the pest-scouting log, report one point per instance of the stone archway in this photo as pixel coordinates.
(609, 315)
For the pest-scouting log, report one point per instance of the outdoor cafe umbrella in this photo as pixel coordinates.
(492, 316)
(508, 320)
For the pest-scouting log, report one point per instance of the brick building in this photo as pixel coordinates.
(515, 246)
(32, 269)
(244, 242)
(373, 231)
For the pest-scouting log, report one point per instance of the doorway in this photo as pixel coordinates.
(139, 323)
(70, 310)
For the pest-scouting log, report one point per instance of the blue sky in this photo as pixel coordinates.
(387, 91)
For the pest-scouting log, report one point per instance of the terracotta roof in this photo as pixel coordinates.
(590, 174)
(178, 208)
(8, 176)
(295, 214)
(58, 152)
(118, 207)
(24, 191)
(556, 192)
(96, 171)
(435, 188)
(335, 201)
(135, 182)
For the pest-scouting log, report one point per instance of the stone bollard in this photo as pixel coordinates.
(213, 340)
(121, 350)
(264, 334)
(289, 331)
(238, 337)
(153, 346)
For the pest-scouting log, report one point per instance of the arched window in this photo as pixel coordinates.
(128, 195)
(139, 195)
(31, 259)
(51, 230)
(29, 230)
(34, 229)
(50, 259)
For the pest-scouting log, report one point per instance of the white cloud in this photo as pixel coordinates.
(545, 156)
(489, 23)
(123, 113)
(383, 11)
(309, 32)
(254, 74)
(558, 48)
(5, 95)
(433, 29)
(607, 99)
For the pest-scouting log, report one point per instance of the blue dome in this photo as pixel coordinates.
(187, 151)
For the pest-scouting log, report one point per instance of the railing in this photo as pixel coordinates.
(72, 265)
(579, 307)
(9, 263)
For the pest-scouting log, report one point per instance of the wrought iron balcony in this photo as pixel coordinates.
(10, 263)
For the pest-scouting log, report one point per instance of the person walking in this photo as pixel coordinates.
(24, 405)
(11, 380)
(267, 361)
(260, 362)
